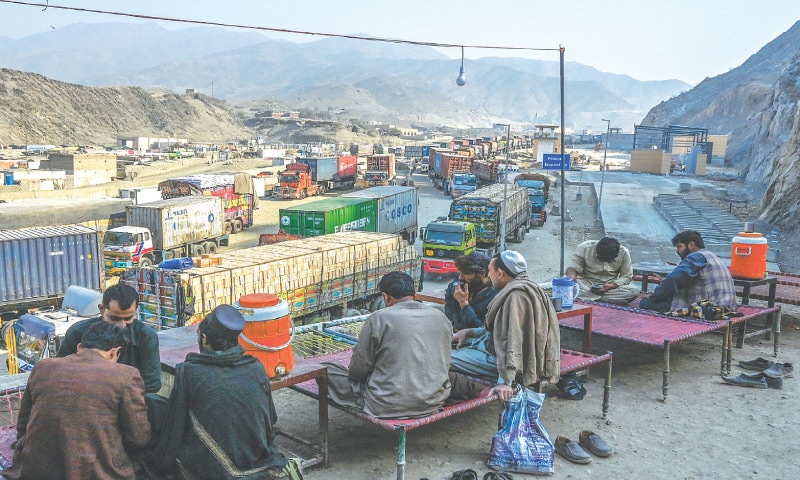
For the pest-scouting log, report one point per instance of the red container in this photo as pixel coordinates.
(268, 332)
(749, 256)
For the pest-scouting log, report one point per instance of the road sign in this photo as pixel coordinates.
(552, 161)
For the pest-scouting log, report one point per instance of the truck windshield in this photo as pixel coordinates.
(288, 178)
(452, 239)
(465, 180)
(374, 176)
(117, 238)
(537, 199)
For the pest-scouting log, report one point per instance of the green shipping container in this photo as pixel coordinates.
(330, 215)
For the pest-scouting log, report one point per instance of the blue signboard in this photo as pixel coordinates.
(552, 161)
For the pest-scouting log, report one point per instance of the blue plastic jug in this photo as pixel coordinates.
(567, 290)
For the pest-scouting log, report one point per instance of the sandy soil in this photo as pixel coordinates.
(705, 429)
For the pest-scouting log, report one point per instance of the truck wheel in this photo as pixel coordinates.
(198, 251)
(303, 194)
(4, 330)
(377, 304)
(237, 226)
(210, 247)
(412, 237)
(145, 262)
(228, 228)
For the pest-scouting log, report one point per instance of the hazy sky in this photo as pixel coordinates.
(646, 39)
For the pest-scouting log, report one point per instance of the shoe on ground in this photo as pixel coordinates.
(780, 370)
(594, 443)
(759, 364)
(747, 381)
(570, 450)
(776, 383)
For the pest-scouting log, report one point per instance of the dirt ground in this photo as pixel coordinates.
(705, 428)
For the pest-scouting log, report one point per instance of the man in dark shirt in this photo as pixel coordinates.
(119, 307)
(467, 298)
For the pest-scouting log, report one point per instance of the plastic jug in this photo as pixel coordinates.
(567, 290)
(749, 256)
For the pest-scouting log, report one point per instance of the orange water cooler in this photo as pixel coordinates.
(268, 332)
(749, 255)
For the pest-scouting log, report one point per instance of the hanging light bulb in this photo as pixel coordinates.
(462, 78)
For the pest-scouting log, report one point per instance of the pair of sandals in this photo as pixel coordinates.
(571, 387)
(470, 474)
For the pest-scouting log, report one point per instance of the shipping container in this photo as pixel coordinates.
(331, 168)
(330, 215)
(179, 221)
(312, 275)
(39, 264)
(236, 191)
(396, 208)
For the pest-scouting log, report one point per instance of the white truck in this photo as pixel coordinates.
(158, 231)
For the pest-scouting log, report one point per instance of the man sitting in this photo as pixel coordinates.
(467, 299)
(603, 270)
(221, 419)
(701, 275)
(81, 415)
(399, 367)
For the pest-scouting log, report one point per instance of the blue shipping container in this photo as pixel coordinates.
(38, 263)
(322, 169)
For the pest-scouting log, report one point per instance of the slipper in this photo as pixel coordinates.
(571, 387)
(468, 474)
(570, 450)
(498, 476)
(594, 443)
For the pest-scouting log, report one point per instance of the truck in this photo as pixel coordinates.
(485, 171)
(445, 163)
(462, 183)
(316, 175)
(41, 263)
(235, 189)
(538, 186)
(380, 170)
(320, 278)
(158, 231)
(474, 223)
(389, 209)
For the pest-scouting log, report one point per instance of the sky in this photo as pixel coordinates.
(687, 40)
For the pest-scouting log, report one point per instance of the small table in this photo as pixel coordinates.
(646, 268)
(175, 343)
(769, 324)
(576, 311)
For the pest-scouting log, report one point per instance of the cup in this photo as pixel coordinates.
(556, 303)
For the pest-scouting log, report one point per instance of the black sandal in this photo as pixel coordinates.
(571, 387)
(498, 476)
(468, 474)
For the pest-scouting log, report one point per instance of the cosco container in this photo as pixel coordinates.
(39, 264)
(396, 208)
(331, 215)
(179, 221)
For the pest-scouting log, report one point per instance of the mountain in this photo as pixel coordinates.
(756, 104)
(389, 82)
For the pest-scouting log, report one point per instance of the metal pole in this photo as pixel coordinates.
(563, 210)
(603, 173)
(505, 195)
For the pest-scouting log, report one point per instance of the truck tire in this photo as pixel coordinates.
(377, 304)
(198, 250)
(228, 228)
(412, 236)
(321, 191)
(210, 247)
(303, 194)
(145, 262)
(237, 226)
(4, 330)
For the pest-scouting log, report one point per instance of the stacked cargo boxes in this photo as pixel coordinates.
(312, 275)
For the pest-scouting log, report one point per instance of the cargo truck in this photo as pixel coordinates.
(158, 231)
(380, 170)
(315, 175)
(320, 278)
(444, 164)
(40, 264)
(235, 189)
(538, 187)
(390, 209)
(475, 223)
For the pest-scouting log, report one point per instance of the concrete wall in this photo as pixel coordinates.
(650, 161)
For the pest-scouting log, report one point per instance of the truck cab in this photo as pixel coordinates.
(444, 240)
(125, 247)
(296, 182)
(463, 183)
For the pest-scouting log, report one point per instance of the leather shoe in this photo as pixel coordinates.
(759, 364)
(776, 383)
(570, 450)
(747, 381)
(780, 370)
(592, 441)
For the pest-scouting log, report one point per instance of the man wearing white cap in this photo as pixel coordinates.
(220, 419)
(521, 333)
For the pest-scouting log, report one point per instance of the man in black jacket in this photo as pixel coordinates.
(119, 307)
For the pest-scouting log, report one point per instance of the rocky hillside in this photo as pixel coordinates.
(35, 109)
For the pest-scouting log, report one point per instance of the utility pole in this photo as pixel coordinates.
(603, 173)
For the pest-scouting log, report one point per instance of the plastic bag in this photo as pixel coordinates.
(522, 444)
